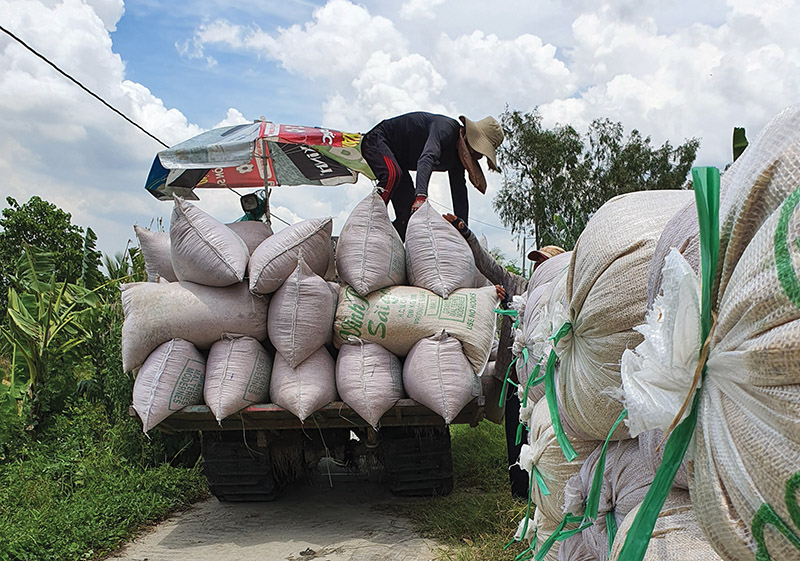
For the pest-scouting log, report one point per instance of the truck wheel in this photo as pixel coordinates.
(237, 466)
(417, 460)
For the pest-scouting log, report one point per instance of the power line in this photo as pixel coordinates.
(98, 98)
(84, 88)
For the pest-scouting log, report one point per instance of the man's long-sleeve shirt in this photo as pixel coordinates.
(425, 142)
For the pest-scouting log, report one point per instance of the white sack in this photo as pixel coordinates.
(238, 372)
(676, 535)
(156, 254)
(438, 375)
(369, 379)
(252, 232)
(275, 259)
(159, 312)
(301, 315)
(370, 254)
(439, 258)
(607, 288)
(544, 453)
(170, 379)
(203, 249)
(308, 387)
(397, 317)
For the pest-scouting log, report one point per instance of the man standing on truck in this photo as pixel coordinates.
(508, 285)
(425, 142)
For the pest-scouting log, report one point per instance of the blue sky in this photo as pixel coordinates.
(672, 70)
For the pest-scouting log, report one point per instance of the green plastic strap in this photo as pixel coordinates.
(540, 482)
(593, 500)
(706, 191)
(550, 394)
(532, 380)
(509, 313)
(611, 528)
(766, 516)
(518, 438)
(528, 508)
(506, 381)
(560, 534)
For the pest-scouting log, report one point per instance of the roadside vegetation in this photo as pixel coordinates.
(479, 517)
(77, 476)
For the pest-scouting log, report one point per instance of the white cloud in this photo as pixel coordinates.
(419, 9)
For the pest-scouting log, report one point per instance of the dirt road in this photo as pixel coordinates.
(308, 522)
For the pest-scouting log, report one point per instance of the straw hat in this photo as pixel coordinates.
(544, 253)
(484, 136)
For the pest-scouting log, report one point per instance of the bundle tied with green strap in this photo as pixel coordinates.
(739, 425)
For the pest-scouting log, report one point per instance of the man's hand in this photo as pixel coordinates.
(418, 202)
(457, 223)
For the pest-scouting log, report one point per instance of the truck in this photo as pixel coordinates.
(252, 455)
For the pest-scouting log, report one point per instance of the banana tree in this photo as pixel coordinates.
(46, 320)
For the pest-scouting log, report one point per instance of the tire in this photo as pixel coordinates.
(417, 460)
(237, 466)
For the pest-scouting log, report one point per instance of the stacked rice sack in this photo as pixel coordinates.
(195, 333)
(414, 302)
(745, 448)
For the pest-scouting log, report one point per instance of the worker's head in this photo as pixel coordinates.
(539, 256)
(483, 138)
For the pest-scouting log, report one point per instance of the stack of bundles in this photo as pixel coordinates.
(300, 321)
(544, 460)
(607, 290)
(676, 535)
(438, 258)
(375, 309)
(630, 466)
(166, 322)
(746, 443)
(546, 293)
(438, 375)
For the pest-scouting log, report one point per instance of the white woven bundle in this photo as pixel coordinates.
(369, 379)
(274, 260)
(308, 387)
(252, 232)
(397, 317)
(155, 252)
(370, 254)
(438, 258)
(238, 372)
(746, 444)
(170, 379)
(203, 249)
(607, 288)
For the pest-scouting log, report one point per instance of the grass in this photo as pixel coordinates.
(479, 517)
(75, 492)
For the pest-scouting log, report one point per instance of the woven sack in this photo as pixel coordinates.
(301, 315)
(676, 535)
(203, 249)
(274, 260)
(607, 290)
(369, 379)
(252, 232)
(438, 375)
(397, 317)
(156, 254)
(370, 254)
(439, 258)
(159, 312)
(170, 379)
(544, 453)
(308, 387)
(238, 372)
